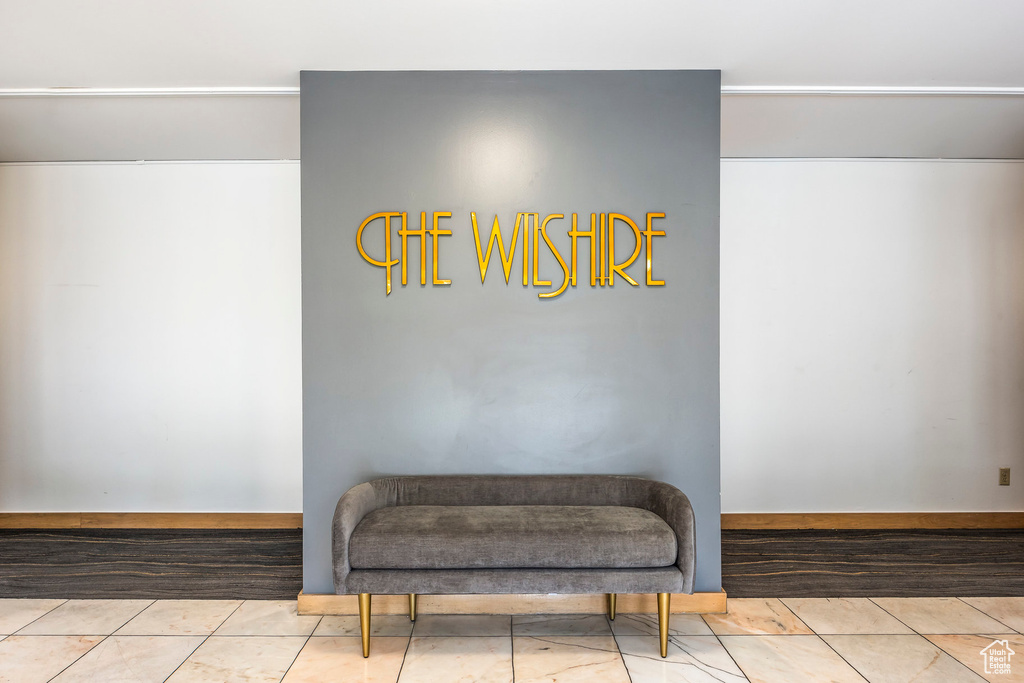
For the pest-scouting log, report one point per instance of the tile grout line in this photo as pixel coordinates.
(304, 643)
(731, 658)
(963, 664)
(299, 651)
(921, 635)
(950, 654)
(615, 640)
(981, 611)
(840, 655)
(925, 635)
(102, 640)
(826, 643)
(722, 645)
(512, 645)
(37, 618)
(405, 653)
(805, 625)
(225, 620)
(182, 662)
(913, 630)
(203, 641)
(797, 617)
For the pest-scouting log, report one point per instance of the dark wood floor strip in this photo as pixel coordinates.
(858, 563)
(151, 563)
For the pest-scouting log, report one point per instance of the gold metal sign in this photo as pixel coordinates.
(600, 237)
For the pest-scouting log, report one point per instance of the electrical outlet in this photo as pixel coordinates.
(1004, 476)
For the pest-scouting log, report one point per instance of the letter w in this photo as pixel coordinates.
(506, 255)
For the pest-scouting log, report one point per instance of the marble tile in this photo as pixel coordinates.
(86, 618)
(131, 659)
(940, 615)
(560, 625)
(691, 659)
(758, 616)
(899, 658)
(180, 618)
(966, 649)
(1009, 611)
(844, 615)
(268, 618)
(567, 659)
(462, 625)
(647, 625)
(380, 625)
(16, 613)
(27, 659)
(788, 659)
(323, 660)
(239, 659)
(481, 659)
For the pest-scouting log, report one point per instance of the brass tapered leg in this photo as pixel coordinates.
(364, 621)
(611, 606)
(663, 609)
(412, 607)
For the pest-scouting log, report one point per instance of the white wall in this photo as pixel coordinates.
(150, 341)
(872, 336)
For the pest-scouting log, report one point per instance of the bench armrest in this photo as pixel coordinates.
(357, 502)
(673, 506)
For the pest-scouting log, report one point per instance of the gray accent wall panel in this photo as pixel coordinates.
(489, 378)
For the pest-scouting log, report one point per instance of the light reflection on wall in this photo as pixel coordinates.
(497, 160)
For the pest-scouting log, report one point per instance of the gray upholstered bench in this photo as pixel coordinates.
(513, 534)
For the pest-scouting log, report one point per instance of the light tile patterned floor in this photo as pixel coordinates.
(882, 640)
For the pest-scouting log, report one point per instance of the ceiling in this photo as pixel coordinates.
(801, 78)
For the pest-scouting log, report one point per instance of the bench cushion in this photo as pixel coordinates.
(511, 536)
